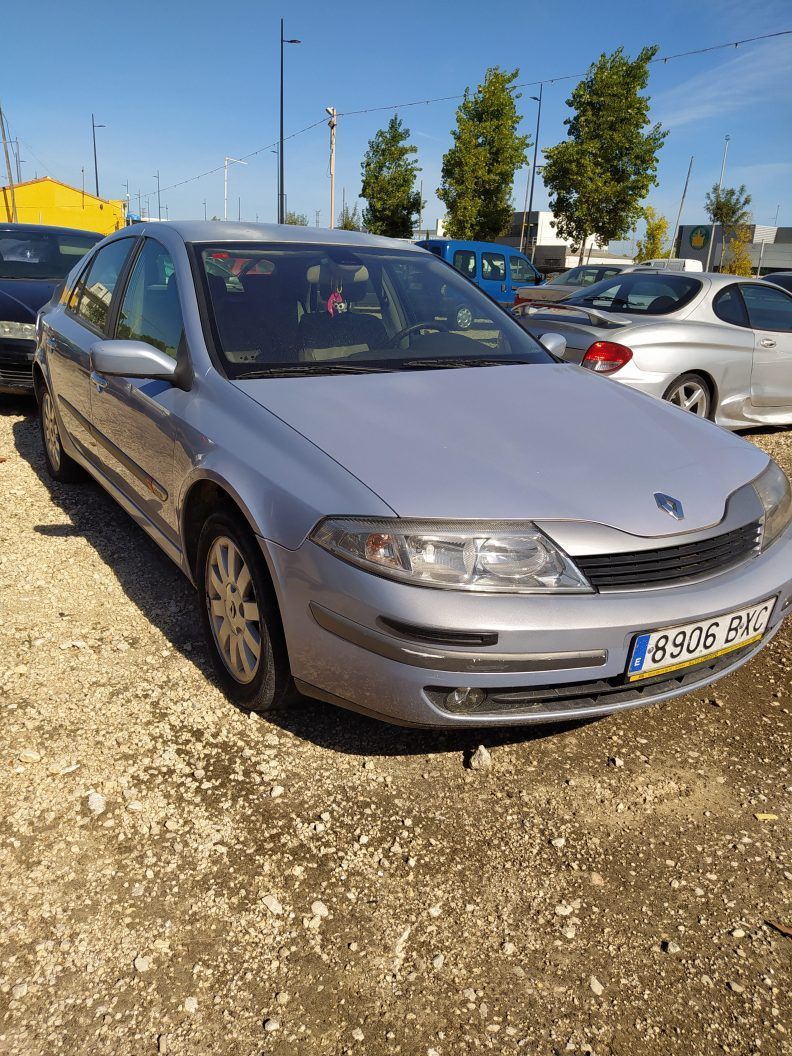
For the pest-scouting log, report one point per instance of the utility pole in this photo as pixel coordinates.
(140, 205)
(126, 184)
(94, 127)
(318, 211)
(681, 207)
(331, 110)
(525, 216)
(204, 205)
(234, 161)
(778, 210)
(281, 182)
(19, 163)
(717, 202)
(82, 173)
(8, 167)
(159, 203)
(537, 99)
(239, 209)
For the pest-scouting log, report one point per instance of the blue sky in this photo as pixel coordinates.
(181, 84)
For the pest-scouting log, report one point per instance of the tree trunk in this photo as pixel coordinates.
(582, 249)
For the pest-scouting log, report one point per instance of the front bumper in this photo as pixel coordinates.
(346, 642)
(16, 366)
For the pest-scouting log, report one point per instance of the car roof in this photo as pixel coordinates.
(225, 231)
(470, 243)
(29, 229)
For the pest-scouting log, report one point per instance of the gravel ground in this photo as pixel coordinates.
(180, 878)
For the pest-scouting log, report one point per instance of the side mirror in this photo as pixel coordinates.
(554, 343)
(132, 359)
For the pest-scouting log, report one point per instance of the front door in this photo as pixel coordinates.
(135, 419)
(770, 318)
(494, 279)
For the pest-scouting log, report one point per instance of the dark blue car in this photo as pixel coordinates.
(34, 260)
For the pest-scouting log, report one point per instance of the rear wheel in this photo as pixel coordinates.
(60, 466)
(240, 615)
(692, 393)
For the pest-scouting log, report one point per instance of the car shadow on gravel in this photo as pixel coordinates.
(160, 591)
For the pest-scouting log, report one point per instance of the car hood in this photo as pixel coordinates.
(20, 299)
(538, 442)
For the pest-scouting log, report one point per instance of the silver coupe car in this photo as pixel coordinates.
(717, 345)
(438, 525)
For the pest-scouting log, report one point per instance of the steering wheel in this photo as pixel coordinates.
(429, 325)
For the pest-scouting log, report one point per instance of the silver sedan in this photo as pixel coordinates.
(717, 345)
(432, 524)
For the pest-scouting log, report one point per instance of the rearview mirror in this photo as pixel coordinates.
(131, 359)
(554, 343)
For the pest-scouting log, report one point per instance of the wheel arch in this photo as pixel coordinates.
(709, 381)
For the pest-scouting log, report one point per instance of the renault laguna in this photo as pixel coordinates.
(390, 496)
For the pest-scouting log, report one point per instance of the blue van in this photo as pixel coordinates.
(498, 270)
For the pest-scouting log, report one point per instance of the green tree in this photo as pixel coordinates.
(348, 219)
(598, 176)
(389, 169)
(478, 171)
(652, 245)
(737, 259)
(298, 219)
(728, 206)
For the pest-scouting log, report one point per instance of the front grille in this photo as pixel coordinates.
(577, 696)
(671, 564)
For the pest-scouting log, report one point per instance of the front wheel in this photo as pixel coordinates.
(240, 616)
(60, 466)
(691, 393)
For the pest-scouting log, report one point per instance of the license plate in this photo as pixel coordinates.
(674, 648)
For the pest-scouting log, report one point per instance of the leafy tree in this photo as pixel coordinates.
(298, 219)
(478, 171)
(728, 206)
(737, 259)
(348, 219)
(652, 245)
(600, 174)
(389, 169)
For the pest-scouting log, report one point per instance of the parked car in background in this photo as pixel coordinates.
(716, 345)
(33, 260)
(439, 526)
(780, 278)
(568, 282)
(671, 264)
(498, 270)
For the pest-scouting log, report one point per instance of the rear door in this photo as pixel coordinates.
(83, 322)
(134, 419)
(494, 275)
(770, 317)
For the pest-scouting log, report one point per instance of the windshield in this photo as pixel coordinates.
(641, 294)
(310, 309)
(41, 254)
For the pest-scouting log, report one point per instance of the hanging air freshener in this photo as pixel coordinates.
(335, 302)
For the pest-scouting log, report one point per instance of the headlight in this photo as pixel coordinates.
(26, 331)
(494, 557)
(773, 489)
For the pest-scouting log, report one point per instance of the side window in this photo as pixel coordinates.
(92, 296)
(768, 309)
(729, 307)
(521, 270)
(150, 310)
(493, 266)
(465, 261)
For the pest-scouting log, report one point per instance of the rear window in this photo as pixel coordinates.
(41, 254)
(639, 294)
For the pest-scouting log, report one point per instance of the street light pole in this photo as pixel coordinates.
(331, 110)
(538, 99)
(234, 161)
(159, 204)
(726, 142)
(281, 184)
(94, 127)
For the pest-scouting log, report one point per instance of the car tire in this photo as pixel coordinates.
(60, 466)
(240, 616)
(690, 392)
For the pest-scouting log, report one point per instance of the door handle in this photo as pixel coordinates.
(767, 342)
(99, 380)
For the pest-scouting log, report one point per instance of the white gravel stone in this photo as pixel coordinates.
(29, 755)
(596, 986)
(319, 909)
(271, 1024)
(277, 791)
(480, 759)
(273, 904)
(97, 803)
(142, 963)
(191, 1005)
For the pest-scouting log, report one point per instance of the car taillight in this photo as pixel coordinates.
(606, 357)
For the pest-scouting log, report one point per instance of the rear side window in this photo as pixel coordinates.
(768, 309)
(465, 261)
(493, 266)
(94, 292)
(150, 310)
(729, 307)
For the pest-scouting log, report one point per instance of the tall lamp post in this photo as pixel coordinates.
(281, 186)
(234, 161)
(726, 142)
(159, 203)
(94, 127)
(536, 99)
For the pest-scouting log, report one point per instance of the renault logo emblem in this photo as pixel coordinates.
(672, 506)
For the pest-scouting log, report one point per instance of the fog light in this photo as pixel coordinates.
(465, 699)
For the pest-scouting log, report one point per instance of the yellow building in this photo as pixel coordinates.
(48, 201)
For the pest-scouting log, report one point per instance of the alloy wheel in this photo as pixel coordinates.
(233, 609)
(691, 396)
(51, 435)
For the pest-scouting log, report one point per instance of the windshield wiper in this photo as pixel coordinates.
(440, 363)
(303, 369)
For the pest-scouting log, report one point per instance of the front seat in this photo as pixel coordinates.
(323, 335)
